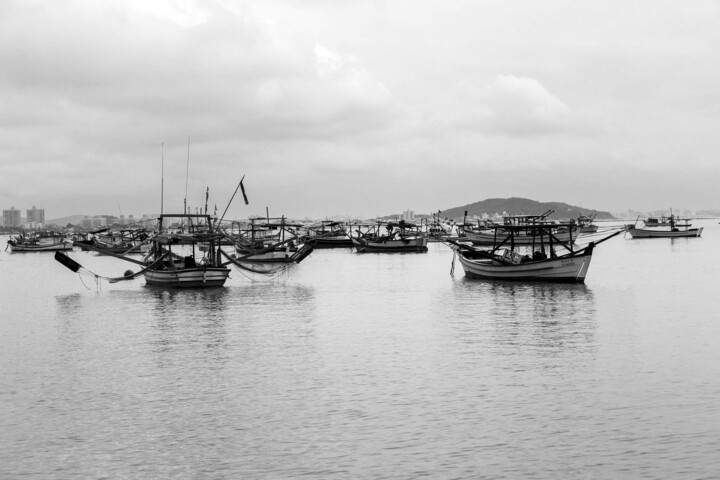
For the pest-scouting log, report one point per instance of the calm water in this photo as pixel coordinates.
(366, 366)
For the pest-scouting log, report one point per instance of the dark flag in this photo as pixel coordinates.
(242, 187)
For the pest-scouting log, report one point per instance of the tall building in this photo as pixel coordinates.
(36, 215)
(94, 222)
(11, 218)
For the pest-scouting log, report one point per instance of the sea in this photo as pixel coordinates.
(366, 366)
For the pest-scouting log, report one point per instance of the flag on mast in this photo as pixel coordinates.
(242, 187)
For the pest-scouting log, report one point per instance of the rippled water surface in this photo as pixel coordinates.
(366, 366)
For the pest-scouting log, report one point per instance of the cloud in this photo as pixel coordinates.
(202, 68)
(518, 106)
(96, 98)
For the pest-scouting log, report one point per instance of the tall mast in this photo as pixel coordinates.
(187, 174)
(162, 176)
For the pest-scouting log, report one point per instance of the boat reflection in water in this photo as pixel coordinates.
(546, 318)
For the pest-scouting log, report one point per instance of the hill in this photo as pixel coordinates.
(524, 206)
(74, 219)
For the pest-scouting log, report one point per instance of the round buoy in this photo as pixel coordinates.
(128, 273)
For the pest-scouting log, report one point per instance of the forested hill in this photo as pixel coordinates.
(524, 206)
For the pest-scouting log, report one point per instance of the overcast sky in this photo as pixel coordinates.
(335, 107)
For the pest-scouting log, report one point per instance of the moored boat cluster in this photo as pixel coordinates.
(198, 250)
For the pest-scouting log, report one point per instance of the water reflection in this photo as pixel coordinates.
(68, 305)
(275, 319)
(544, 318)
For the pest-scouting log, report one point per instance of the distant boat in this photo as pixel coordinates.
(329, 234)
(391, 237)
(39, 241)
(271, 240)
(676, 229)
(547, 258)
(437, 230)
(586, 225)
(125, 241)
(487, 233)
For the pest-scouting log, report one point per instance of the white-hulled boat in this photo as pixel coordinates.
(124, 241)
(391, 237)
(175, 259)
(271, 240)
(487, 233)
(586, 225)
(677, 229)
(182, 268)
(41, 241)
(548, 259)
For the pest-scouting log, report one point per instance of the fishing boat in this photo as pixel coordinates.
(39, 241)
(124, 240)
(188, 265)
(271, 240)
(329, 234)
(677, 228)
(175, 259)
(391, 237)
(488, 233)
(586, 225)
(547, 258)
(438, 230)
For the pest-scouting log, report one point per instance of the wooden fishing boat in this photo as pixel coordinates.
(586, 225)
(124, 241)
(676, 229)
(439, 230)
(548, 258)
(39, 241)
(175, 259)
(185, 264)
(329, 234)
(522, 227)
(391, 237)
(271, 240)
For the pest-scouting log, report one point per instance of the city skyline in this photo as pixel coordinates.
(337, 108)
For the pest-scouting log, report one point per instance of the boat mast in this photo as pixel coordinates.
(162, 176)
(187, 174)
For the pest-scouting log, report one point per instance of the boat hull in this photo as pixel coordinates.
(651, 233)
(60, 247)
(332, 242)
(188, 277)
(565, 269)
(125, 249)
(418, 244)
